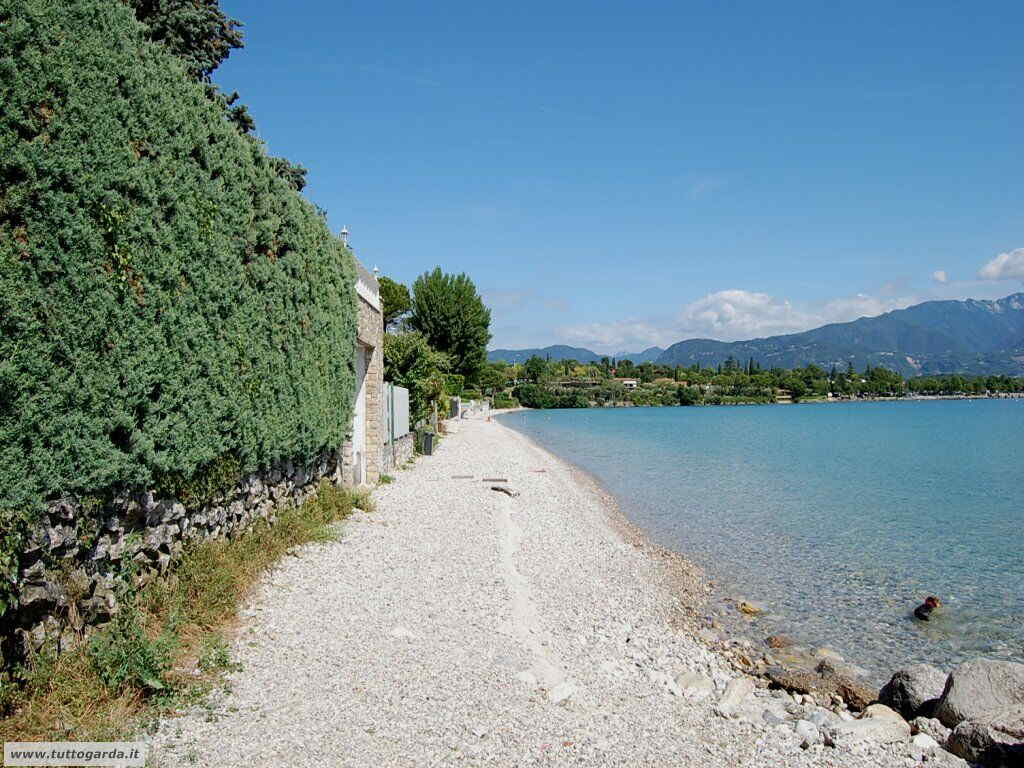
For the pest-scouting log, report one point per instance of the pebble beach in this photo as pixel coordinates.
(459, 625)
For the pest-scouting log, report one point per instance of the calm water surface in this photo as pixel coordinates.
(839, 517)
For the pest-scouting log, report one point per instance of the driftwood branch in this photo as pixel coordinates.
(505, 489)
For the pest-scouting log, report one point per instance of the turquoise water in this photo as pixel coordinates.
(839, 517)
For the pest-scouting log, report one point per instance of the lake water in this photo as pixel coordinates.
(840, 518)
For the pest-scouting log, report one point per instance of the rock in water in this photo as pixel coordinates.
(998, 741)
(914, 691)
(979, 689)
(749, 607)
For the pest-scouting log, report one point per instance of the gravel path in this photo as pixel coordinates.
(459, 626)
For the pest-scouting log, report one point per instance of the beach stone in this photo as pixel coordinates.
(822, 683)
(931, 727)
(924, 742)
(778, 641)
(882, 712)
(979, 689)
(561, 692)
(822, 717)
(914, 691)
(998, 741)
(808, 733)
(735, 694)
(695, 685)
(878, 724)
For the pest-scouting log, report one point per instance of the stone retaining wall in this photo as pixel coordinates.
(398, 453)
(72, 559)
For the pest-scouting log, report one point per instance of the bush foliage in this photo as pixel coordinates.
(166, 299)
(410, 362)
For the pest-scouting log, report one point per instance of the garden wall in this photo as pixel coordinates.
(74, 556)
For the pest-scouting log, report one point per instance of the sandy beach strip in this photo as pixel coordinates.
(457, 625)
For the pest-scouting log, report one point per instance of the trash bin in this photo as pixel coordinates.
(428, 443)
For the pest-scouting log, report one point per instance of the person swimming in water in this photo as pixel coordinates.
(924, 610)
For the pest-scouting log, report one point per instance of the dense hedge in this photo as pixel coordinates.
(168, 305)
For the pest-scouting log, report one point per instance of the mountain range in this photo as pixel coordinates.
(970, 337)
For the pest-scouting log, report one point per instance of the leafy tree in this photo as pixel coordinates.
(536, 369)
(410, 362)
(395, 301)
(492, 378)
(449, 312)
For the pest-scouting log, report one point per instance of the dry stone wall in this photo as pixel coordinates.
(398, 453)
(74, 557)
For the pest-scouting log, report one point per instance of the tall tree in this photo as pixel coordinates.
(394, 299)
(449, 312)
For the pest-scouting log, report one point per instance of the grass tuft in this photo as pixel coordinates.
(166, 646)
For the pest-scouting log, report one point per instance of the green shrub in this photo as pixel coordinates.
(505, 401)
(454, 384)
(410, 362)
(171, 310)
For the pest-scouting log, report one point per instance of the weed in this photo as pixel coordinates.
(215, 656)
(125, 658)
(361, 499)
(386, 479)
(141, 664)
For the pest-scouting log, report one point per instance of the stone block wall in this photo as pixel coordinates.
(75, 555)
(398, 453)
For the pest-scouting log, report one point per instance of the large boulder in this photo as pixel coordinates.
(980, 689)
(878, 724)
(914, 691)
(997, 741)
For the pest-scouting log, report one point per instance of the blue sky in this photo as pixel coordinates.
(617, 175)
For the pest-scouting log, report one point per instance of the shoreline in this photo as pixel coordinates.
(721, 631)
(459, 626)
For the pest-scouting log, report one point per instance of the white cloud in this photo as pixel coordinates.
(630, 335)
(940, 276)
(1005, 266)
(735, 314)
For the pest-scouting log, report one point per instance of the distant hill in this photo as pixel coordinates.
(649, 355)
(975, 337)
(971, 336)
(562, 352)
